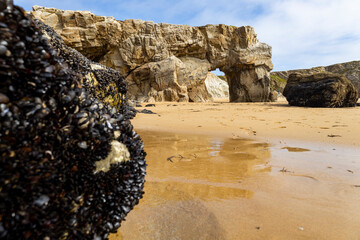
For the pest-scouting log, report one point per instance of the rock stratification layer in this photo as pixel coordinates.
(320, 90)
(165, 61)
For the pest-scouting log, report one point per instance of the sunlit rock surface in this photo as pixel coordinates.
(167, 62)
(217, 87)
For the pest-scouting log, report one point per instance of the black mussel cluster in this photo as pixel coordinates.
(53, 132)
(103, 82)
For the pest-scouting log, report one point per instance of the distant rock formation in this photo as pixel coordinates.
(165, 61)
(350, 69)
(217, 87)
(320, 90)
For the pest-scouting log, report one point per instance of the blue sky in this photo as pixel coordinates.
(303, 33)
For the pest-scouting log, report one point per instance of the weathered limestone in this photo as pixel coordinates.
(320, 90)
(165, 61)
(217, 87)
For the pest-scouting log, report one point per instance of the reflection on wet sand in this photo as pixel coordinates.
(201, 187)
(200, 157)
(184, 173)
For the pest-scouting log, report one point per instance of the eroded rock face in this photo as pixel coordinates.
(54, 131)
(217, 87)
(351, 70)
(165, 61)
(320, 90)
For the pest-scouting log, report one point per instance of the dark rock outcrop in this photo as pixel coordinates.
(320, 90)
(71, 166)
(351, 70)
(165, 61)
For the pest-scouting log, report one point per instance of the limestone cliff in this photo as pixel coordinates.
(168, 62)
(351, 70)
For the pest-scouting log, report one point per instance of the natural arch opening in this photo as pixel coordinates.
(217, 85)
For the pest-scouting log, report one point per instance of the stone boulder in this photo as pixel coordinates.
(320, 90)
(351, 70)
(71, 166)
(172, 61)
(217, 87)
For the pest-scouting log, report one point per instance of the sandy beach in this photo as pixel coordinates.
(248, 171)
(263, 121)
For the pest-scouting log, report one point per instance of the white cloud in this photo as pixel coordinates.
(311, 33)
(303, 33)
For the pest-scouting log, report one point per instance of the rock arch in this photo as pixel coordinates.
(165, 61)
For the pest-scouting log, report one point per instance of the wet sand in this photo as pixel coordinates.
(238, 175)
(266, 121)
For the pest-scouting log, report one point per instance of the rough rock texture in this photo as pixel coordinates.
(217, 87)
(170, 80)
(53, 133)
(165, 61)
(277, 82)
(320, 90)
(350, 69)
(103, 82)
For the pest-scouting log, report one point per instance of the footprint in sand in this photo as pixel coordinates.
(248, 131)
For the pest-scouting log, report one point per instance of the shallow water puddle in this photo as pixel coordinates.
(201, 187)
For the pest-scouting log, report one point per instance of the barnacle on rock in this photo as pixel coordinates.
(54, 131)
(119, 153)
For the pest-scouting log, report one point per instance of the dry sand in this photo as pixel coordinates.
(298, 178)
(265, 121)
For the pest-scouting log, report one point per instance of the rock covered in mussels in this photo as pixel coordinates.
(71, 166)
(105, 83)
